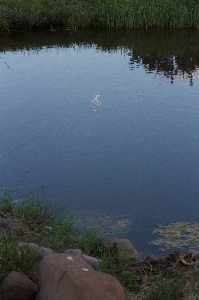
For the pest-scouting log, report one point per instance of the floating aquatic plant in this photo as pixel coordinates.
(178, 235)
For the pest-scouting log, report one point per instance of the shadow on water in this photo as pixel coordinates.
(169, 52)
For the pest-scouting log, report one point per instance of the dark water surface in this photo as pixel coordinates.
(108, 122)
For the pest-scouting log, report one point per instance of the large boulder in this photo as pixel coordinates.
(69, 277)
(16, 286)
(121, 247)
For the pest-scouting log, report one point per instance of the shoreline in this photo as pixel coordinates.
(32, 229)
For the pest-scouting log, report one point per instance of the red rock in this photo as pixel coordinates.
(121, 247)
(125, 249)
(16, 286)
(12, 225)
(69, 277)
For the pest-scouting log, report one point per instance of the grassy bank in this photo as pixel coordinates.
(34, 214)
(98, 13)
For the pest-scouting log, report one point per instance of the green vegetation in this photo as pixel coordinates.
(34, 214)
(98, 13)
(171, 291)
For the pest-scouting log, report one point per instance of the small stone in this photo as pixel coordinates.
(144, 280)
(45, 251)
(23, 246)
(32, 247)
(170, 272)
(107, 244)
(12, 225)
(196, 256)
(47, 229)
(151, 258)
(91, 260)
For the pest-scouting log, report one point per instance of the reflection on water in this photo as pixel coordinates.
(168, 52)
(96, 103)
(134, 159)
(179, 66)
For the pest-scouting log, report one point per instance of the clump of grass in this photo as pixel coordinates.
(120, 269)
(12, 259)
(6, 205)
(90, 242)
(34, 214)
(3, 18)
(37, 213)
(167, 291)
(126, 279)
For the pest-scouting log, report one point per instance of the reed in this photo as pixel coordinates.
(127, 14)
(99, 13)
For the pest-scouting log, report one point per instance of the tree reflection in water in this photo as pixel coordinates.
(171, 66)
(172, 53)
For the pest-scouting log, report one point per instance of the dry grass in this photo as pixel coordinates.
(184, 286)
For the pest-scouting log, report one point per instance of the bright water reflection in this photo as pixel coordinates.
(107, 122)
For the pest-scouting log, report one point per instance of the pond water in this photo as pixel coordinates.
(107, 122)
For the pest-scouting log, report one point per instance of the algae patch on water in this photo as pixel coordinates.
(109, 226)
(178, 235)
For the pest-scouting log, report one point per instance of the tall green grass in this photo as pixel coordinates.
(99, 13)
(142, 13)
(11, 258)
